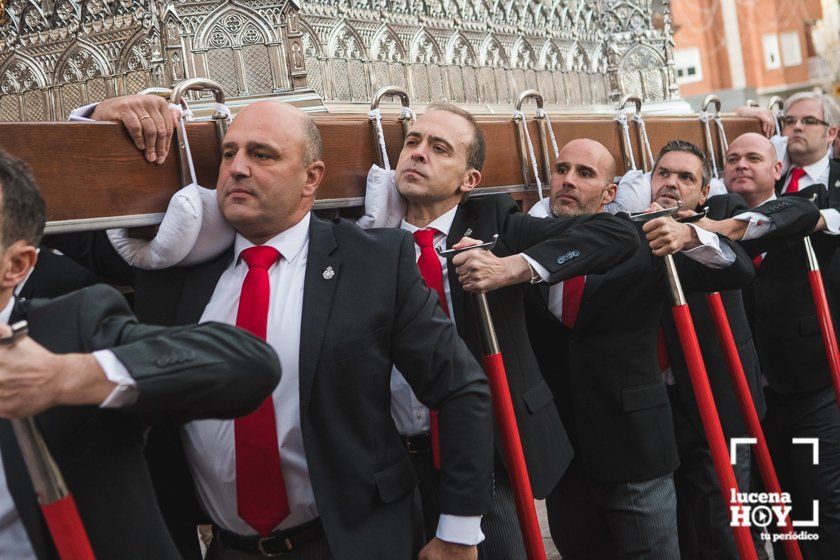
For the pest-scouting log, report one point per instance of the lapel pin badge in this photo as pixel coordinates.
(328, 273)
(837, 184)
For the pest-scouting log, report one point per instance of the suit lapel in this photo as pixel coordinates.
(199, 282)
(318, 292)
(464, 219)
(23, 495)
(19, 311)
(592, 285)
(780, 184)
(834, 183)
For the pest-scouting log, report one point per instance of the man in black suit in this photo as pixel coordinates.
(54, 275)
(810, 127)
(800, 399)
(346, 306)
(811, 123)
(681, 172)
(439, 166)
(597, 345)
(94, 379)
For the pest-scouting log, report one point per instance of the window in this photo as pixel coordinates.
(772, 59)
(791, 51)
(688, 66)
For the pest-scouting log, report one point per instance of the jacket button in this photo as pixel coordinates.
(561, 260)
(575, 253)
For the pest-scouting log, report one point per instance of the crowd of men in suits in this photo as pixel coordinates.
(361, 428)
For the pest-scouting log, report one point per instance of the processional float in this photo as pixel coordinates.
(95, 179)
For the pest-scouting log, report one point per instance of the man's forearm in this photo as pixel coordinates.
(731, 228)
(81, 380)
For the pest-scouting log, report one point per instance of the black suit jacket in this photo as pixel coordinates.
(601, 242)
(375, 312)
(833, 276)
(729, 411)
(785, 322)
(211, 370)
(55, 275)
(605, 373)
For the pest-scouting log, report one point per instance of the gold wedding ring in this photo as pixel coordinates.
(145, 117)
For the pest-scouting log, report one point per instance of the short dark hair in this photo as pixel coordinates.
(689, 148)
(478, 148)
(22, 210)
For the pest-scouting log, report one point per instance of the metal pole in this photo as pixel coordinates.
(56, 502)
(523, 496)
(514, 455)
(829, 336)
(742, 393)
(706, 406)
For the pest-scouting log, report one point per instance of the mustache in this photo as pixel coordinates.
(566, 193)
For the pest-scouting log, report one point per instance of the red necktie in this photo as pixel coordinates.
(757, 261)
(430, 270)
(572, 295)
(662, 351)
(796, 173)
(261, 499)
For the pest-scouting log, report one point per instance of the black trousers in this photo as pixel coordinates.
(811, 414)
(502, 535)
(702, 515)
(598, 520)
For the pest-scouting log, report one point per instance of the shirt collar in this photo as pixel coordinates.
(442, 223)
(769, 198)
(817, 169)
(6, 313)
(289, 242)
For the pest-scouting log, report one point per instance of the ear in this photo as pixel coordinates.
(832, 133)
(314, 176)
(777, 170)
(15, 264)
(470, 180)
(609, 194)
(704, 193)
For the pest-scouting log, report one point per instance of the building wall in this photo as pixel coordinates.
(774, 40)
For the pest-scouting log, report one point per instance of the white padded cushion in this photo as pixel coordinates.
(193, 230)
(541, 209)
(633, 194)
(384, 207)
(716, 187)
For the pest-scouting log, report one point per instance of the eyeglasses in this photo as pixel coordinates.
(806, 121)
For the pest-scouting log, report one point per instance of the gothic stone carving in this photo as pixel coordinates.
(56, 54)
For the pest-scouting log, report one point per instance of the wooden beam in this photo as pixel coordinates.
(92, 177)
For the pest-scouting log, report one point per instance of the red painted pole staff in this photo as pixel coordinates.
(829, 336)
(703, 392)
(494, 367)
(56, 502)
(742, 392)
(706, 405)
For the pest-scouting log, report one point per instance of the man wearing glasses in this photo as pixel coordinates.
(802, 403)
(811, 122)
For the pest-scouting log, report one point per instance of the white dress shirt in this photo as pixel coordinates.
(818, 173)
(14, 542)
(411, 416)
(209, 444)
(759, 224)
